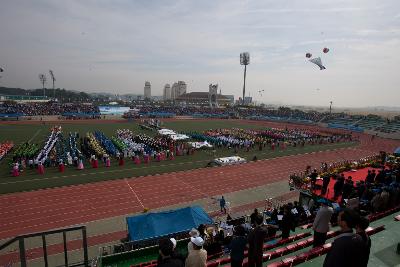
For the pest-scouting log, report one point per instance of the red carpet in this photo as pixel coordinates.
(357, 175)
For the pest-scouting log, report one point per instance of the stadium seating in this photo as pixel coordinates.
(316, 252)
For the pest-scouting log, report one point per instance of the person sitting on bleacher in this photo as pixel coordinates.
(166, 250)
(347, 249)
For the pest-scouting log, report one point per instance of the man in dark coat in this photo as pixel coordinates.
(287, 222)
(313, 176)
(166, 250)
(361, 225)
(256, 242)
(347, 249)
(338, 187)
(325, 183)
(238, 246)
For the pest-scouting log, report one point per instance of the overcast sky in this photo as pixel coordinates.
(115, 46)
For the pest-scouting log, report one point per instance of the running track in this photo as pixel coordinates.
(47, 209)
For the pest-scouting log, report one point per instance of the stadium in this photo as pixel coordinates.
(171, 176)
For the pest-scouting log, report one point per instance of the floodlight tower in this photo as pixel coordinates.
(53, 79)
(244, 60)
(43, 80)
(1, 70)
(330, 108)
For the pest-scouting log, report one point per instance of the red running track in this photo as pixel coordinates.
(47, 209)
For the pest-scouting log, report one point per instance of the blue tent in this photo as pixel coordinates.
(152, 225)
(397, 151)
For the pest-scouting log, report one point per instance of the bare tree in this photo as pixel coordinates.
(43, 80)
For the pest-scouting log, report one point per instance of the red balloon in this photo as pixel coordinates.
(308, 55)
(325, 50)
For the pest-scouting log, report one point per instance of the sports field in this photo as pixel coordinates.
(37, 133)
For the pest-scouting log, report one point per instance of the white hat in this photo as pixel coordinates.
(173, 240)
(194, 232)
(198, 241)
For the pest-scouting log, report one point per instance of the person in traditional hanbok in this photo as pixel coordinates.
(40, 167)
(95, 163)
(121, 161)
(137, 160)
(108, 162)
(15, 171)
(69, 159)
(146, 158)
(171, 156)
(80, 164)
(61, 166)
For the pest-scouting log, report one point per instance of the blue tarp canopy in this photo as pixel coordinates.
(397, 151)
(152, 225)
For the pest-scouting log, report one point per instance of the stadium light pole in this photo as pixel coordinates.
(244, 60)
(330, 108)
(1, 70)
(53, 79)
(43, 80)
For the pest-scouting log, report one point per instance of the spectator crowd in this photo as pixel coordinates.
(47, 109)
(379, 192)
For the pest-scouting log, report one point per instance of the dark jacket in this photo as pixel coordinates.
(346, 251)
(367, 248)
(171, 262)
(238, 245)
(256, 242)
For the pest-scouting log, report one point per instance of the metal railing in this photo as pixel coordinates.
(22, 251)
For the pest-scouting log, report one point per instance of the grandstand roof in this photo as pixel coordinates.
(200, 95)
(24, 98)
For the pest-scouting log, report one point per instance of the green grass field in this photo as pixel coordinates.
(30, 180)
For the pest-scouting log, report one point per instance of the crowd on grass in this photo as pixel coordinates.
(96, 147)
(279, 138)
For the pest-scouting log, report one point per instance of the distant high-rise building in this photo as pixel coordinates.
(213, 95)
(178, 89)
(147, 90)
(167, 92)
